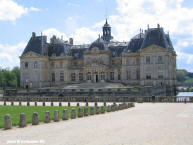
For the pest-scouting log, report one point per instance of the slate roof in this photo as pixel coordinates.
(158, 37)
(34, 45)
(77, 53)
(116, 51)
(152, 36)
(57, 50)
(135, 43)
(100, 43)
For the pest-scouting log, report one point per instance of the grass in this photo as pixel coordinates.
(189, 80)
(15, 111)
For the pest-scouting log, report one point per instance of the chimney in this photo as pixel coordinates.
(33, 34)
(71, 41)
(158, 26)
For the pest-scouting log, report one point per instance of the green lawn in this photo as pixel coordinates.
(189, 80)
(15, 111)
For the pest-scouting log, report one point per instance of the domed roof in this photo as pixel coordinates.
(139, 36)
(136, 42)
(99, 43)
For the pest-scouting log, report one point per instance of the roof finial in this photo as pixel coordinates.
(106, 21)
(148, 26)
(41, 34)
(99, 36)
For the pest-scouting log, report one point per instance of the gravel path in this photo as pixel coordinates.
(146, 124)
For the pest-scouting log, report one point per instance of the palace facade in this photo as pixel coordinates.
(148, 59)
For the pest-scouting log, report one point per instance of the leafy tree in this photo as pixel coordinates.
(16, 71)
(10, 78)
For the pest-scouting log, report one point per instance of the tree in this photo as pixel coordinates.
(16, 72)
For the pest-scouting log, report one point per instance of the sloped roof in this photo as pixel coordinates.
(156, 36)
(77, 53)
(117, 50)
(34, 45)
(136, 42)
(57, 50)
(100, 43)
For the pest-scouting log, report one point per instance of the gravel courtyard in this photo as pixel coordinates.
(145, 124)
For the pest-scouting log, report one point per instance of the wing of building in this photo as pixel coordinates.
(148, 59)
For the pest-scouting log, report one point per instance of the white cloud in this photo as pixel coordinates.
(34, 9)
(9, 54)
(81, 35)
(134, 15)
(84, 35)
(10, 10)
(52, 31)
(188, 58)
(73, 4)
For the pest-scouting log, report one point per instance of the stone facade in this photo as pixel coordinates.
(148, 59)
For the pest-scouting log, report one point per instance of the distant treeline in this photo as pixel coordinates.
(10, 78)
(184, 78)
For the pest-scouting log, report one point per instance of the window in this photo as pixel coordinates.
(52, 64)
(148, 77)
(128, 75)
(35, 64)
(160, 59)
(112, 75)
(160, 77)
(53, 77)
(113, 62)
(73, 77)
(138, 75)
(61, 64)
(102, 76)
(61, 76)
(147, 59)
(80, 76)
(128, 62)
(119, 75)
(137, 60)
(26, 64)
(88, 76)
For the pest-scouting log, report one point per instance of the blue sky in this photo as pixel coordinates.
(83, 19)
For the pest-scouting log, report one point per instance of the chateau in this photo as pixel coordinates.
(148, 59)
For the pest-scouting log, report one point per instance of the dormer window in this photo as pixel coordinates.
(54, 55)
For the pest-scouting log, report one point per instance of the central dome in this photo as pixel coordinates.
(99, 43)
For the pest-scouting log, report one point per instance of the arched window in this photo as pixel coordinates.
(26, 65)
(102, 74)
(35, 64)
(89, 76)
